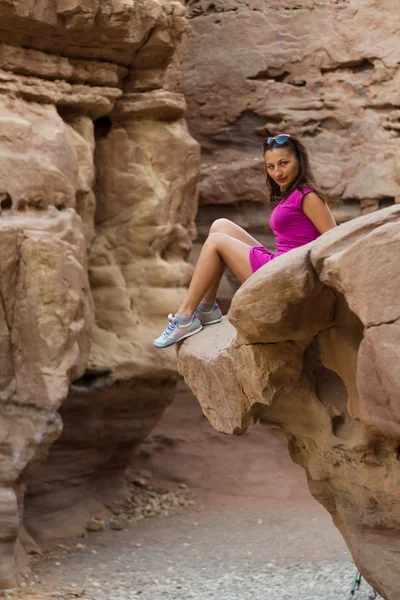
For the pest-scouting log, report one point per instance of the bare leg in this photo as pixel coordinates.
(234, 231)
(219, 250)
(229, 228)
(211, 294)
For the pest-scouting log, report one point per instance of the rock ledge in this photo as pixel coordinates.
(310, 347)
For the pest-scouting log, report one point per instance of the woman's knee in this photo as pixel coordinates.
(215, 239)
(220, 226)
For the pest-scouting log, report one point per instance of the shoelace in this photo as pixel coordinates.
(171, 325)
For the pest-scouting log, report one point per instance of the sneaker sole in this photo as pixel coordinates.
(182, 338)
(212, 322)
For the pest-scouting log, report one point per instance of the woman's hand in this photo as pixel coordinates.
(318, 212)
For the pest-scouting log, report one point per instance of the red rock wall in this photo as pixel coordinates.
(326, 71)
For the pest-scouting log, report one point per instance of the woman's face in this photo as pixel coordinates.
(282, 166)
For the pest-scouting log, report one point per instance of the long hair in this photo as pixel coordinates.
(305, 178)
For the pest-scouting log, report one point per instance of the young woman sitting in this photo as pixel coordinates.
(300, 215)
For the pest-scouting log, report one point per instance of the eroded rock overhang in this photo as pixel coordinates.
(310, 346)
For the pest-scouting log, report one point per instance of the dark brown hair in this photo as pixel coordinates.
(305, 178)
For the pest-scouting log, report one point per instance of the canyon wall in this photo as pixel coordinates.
(98, 193)
(311, 347)
(326, 71)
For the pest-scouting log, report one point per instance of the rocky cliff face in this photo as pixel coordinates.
(326, 71)
(311, 347)
(98, 180)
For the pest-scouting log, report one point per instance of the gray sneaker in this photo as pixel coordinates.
(175, 333)
(210, 317)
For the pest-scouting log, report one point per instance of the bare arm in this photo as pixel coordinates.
(318, 212)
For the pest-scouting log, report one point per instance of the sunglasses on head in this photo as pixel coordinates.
(279, 139)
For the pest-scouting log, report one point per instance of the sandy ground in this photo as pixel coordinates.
(253, 533)
(253, 469)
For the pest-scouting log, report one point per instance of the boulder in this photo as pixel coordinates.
(286, 299)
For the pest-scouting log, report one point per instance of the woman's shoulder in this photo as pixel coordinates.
(296, 197)
(301, 191)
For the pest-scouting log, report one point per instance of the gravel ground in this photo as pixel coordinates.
(300, 582)
(203, 554)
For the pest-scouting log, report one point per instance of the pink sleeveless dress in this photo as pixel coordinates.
(291, 226)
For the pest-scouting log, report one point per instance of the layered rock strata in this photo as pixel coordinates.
(326, 71)
(46, 317)
(310, 347)
(98, 181)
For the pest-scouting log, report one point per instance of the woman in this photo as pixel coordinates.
(300, 215)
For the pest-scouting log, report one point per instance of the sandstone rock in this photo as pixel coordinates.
(368, 289)
(42, 173)
(220, 394)
(240, 180)
(229, 378)
(145, 204)
(158, 104)
(254, 69)
(339, 351)
(65, 139)
(378, 377)
(146, 194)
(286, 300)
(359, 260)
(335, 393)
(339, 238)
(95, 102)
(47, 305)
(95, 525)
(46, 322)
(103, 31)
(147, 171)
(25, 61)
(80, 133)
(242, 85)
